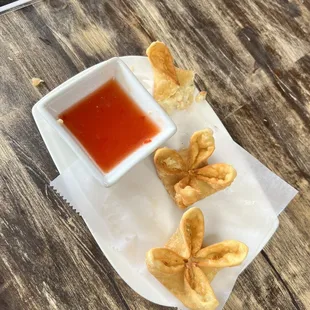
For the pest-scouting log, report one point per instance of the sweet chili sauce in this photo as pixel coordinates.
(109, 125)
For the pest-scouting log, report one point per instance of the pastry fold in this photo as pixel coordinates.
(173, 87)
(187, 176)
(186, 269)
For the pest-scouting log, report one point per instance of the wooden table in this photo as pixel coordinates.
(253, 57)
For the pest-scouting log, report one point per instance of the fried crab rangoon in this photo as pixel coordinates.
(186, 269)
(186, 174)
(173, 87)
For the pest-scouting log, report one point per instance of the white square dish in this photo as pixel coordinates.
(68, 94)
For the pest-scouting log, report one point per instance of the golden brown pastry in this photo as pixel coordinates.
(173, 87)
(186, 269)
(201, 96)
(36, 82)
(186, 174)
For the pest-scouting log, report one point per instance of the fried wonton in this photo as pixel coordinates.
(186, 174)
(173, 87)
(186, 269)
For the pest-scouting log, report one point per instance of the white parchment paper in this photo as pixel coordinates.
(137, 214)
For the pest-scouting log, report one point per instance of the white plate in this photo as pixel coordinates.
(63, 157)
(256, 207)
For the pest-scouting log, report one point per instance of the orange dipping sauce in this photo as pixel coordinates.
(109, 125)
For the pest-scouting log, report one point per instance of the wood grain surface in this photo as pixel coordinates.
(252, 56)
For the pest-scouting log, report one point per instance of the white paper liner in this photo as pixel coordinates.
(137, 214)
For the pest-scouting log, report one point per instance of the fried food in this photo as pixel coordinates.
(36, 82)
(173, 87)
(165, 77)
(186, 174)
(201, 96)
(186, 269)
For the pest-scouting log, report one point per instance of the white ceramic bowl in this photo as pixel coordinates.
(78, 88)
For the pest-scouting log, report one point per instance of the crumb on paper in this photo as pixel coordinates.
(132, 68)
(60, 121)
(201, 96)
(36, 82)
